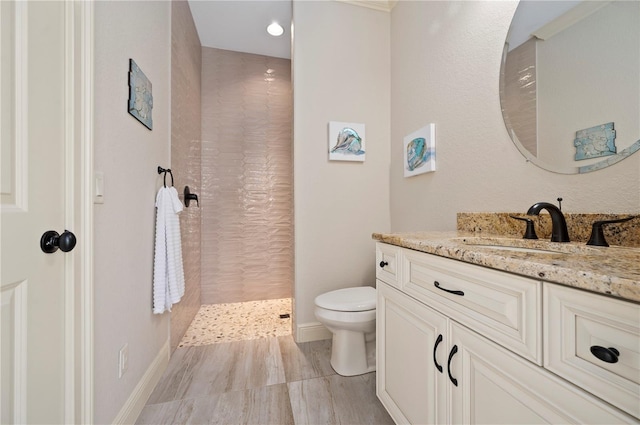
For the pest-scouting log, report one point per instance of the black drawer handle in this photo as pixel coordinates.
(454, 350)
(609, 355)
(383, 263)
(435, 347)
(437, 285)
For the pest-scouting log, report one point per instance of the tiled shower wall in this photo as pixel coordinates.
(521, 94)
(247, 177)
(186, 60)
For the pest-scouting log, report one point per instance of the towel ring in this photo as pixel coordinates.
(165, 171)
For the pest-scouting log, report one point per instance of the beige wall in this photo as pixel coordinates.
(247, 223)
(445, 61)
(186, 61)
(128, 154)
(340, 73)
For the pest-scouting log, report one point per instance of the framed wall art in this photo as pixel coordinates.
(346, 141)
(595, 142)
(140, 95)
(420, 151)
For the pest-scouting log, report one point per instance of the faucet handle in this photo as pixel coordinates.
(597, 234)
(530, 232)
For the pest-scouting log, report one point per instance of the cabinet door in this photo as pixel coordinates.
(497, 387)
(411, 341)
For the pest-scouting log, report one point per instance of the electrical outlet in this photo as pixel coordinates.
(123, 364)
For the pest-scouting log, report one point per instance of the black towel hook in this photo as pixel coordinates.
(165, 171)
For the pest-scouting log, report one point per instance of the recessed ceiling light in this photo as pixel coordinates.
(275, 29)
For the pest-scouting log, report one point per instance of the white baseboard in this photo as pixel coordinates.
(313, 331)
(138, 398)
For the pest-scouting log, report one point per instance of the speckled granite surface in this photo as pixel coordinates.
(579, 226)
(227, 322)
(613, 271)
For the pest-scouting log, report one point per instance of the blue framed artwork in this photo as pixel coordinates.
(595, 142)
(140, 95)
(346, 141)
(420, 151)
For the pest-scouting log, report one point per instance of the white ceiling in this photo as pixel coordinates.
(241, 25)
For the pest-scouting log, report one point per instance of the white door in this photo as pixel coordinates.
(33, 135)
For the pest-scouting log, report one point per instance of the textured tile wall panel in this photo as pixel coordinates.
(247, 177)
(521, 99)
(186, 63)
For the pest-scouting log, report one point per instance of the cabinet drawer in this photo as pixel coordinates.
(504, 307)
(388, 263)
(578, 321)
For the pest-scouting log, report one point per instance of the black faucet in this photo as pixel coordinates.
(559, 231)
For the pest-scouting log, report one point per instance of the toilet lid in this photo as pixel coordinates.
(361, 298)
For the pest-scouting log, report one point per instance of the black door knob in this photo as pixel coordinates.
(51, 241)
(383, 263)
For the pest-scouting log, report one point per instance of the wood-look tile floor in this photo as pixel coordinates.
(261, 381)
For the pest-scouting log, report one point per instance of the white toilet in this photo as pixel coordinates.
(350, 314)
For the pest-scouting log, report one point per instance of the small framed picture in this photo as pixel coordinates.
(140, 95)
(420, 151)
(346, 141)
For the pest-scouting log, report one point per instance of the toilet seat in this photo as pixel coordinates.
(362, 298)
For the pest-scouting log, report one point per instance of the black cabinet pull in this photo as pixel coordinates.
(609, 355)
(437, 285)
(454, 350)
(435, 347)
(383, 263)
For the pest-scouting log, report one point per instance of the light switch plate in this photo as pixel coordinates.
(98, 187)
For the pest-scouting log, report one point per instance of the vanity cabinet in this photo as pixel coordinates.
(438, 364)
(596, 348)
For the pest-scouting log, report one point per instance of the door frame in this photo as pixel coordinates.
(79, 177)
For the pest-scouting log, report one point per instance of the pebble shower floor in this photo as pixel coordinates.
(227, 322)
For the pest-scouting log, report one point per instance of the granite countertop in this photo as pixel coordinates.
(613, 270)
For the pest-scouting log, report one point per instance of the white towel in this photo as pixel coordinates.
(168, 272)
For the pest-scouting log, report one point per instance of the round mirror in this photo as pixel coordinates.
(570, 83)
